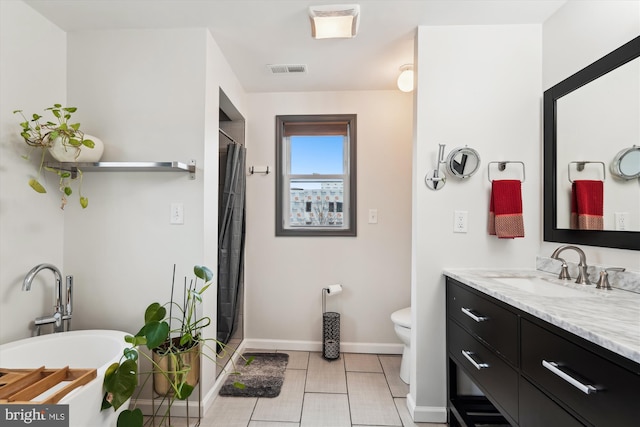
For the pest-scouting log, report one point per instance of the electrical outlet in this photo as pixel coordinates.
(373, 216)
(622, 221)
(177, 213)
(460, 221)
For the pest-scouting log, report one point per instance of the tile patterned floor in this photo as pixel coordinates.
(357, 390)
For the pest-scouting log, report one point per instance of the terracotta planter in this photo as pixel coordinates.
(170, 365)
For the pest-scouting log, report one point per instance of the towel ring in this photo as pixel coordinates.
(502, 166)
(580, 167)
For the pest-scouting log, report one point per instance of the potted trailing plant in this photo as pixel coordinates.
(64, 140)
(172, 333)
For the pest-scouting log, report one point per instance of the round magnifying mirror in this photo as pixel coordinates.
(463, 162)
(626, 164)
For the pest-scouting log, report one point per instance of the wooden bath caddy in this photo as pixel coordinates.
(24, 385)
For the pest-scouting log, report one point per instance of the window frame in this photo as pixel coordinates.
(282, 167)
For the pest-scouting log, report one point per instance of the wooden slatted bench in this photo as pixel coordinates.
(24, 385)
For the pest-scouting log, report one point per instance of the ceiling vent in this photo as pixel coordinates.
(287, 68)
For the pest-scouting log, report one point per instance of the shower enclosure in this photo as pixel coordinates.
(231, 227)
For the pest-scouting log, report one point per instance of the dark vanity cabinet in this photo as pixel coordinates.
(532, 373)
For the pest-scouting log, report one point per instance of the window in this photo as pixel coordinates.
(316, 175)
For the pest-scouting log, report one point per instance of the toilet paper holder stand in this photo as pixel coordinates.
(330, 326)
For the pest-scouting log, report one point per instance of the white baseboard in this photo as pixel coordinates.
(208, 399)
(426, 414)
(345, 347)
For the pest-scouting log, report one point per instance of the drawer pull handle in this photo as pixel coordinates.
(474, 315)
(553, 367)
(470, 356)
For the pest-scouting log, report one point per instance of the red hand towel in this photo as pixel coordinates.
(505, 209)
(587, 205)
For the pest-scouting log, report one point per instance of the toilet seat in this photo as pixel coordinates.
(402, 317)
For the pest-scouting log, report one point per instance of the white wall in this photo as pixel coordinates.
(121, 249)
(477, 86)
(575, 36)
(285, 275)
(151, 95)
(32, 77)
(581, 32)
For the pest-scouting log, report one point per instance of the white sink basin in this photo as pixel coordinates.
(543, 287)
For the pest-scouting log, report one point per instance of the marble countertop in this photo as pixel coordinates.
(610, 319)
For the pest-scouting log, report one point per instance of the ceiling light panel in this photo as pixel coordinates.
(334, 21)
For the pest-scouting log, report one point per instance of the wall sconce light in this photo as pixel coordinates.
(334, 21)
(405, 79)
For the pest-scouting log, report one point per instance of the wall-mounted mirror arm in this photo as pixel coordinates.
(435, 179)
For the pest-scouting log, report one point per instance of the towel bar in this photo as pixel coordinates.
(259, 169)
(502, 165)
(580, 167)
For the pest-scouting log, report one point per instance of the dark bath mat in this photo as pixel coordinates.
(262, 378)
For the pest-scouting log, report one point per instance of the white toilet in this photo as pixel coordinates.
(402, 324)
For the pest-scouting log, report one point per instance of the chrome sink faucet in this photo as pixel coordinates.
(62, 313)
(583, 276)
(603, 282)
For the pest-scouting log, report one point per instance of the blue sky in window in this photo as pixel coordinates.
(317, 154)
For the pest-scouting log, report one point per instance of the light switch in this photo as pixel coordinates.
(373, 216)
(177, 213)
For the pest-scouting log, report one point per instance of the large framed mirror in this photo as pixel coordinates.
(588, 119)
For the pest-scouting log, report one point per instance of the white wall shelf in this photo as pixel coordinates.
(73, 167)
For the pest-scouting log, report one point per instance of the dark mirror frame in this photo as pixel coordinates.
(606, 238)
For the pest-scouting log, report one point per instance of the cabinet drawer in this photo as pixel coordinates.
(602, 392)
(538, 410)
(491, 323)
(492, 374)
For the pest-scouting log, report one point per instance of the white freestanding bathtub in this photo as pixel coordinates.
(77, 349)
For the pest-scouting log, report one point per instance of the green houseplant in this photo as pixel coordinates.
(59, 132)
(172, 334)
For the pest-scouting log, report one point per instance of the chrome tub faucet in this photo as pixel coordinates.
(583, 275)
(62, 312)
